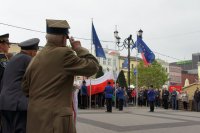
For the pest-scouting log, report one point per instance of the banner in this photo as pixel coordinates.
(177, 88)
(98, 85)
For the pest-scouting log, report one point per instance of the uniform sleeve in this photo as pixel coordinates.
(83, 64)
(25, 81)
(25, 85)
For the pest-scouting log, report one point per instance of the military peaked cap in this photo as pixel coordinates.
(30, 44)
(4, 38)
(57, 27)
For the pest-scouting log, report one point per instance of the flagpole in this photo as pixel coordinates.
(136, 81)
(115, 72)
(90, 78)
(139, 34)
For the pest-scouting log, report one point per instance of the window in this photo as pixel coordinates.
(114, 62)
(109, 61)
(104, 61)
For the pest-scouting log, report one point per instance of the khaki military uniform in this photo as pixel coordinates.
(48, 82)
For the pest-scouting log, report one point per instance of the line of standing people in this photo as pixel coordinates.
(13, 103)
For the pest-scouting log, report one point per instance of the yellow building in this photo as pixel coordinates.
(133, 64)
(14, 49)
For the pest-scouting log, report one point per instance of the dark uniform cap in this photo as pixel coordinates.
(4, 38)
(31, 44)
(57, 27)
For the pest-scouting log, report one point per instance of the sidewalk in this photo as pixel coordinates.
(138, 120)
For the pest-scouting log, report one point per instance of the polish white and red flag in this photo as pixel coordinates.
(98, 85)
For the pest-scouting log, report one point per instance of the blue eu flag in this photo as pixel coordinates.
(125, 63)
(98, 48)
(144, 49)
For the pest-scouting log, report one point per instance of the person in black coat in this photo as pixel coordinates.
(13, 102)
(197, 99)
(165, 98)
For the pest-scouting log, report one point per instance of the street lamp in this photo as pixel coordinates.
(139, 34)
(128, 42)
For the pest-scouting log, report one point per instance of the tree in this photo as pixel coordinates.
(121, 79)
(100, 72)
(154, 75)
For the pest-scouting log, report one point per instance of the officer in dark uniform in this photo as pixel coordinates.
(13, 102)
(108, 95)
(165, 98)
(84, 95)
(4, 46)
(151, 98)
(121, 96)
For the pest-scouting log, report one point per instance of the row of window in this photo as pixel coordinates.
(108, 61)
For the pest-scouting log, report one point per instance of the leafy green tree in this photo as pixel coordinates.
(121, 79)
(154, 75)
(100, 72)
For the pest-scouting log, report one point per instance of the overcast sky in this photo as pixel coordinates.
(171, 27)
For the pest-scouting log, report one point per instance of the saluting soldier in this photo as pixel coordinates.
(48, 81)
(13, 102)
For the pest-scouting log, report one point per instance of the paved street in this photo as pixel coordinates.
(138, 120)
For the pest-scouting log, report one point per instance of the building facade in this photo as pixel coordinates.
(14, 49)
(195, 60)
(199, 71)
(175, 75)
(165, 65)
(111, 63)
(133, 62)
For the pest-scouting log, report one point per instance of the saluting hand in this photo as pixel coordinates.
(74, 44)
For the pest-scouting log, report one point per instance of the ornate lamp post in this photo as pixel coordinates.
(128, 42)
(136, 81)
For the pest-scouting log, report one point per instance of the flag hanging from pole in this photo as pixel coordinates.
(147, 55)
(125, 63)
(95, 40)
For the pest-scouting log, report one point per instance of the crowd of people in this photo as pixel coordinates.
(122, 97)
